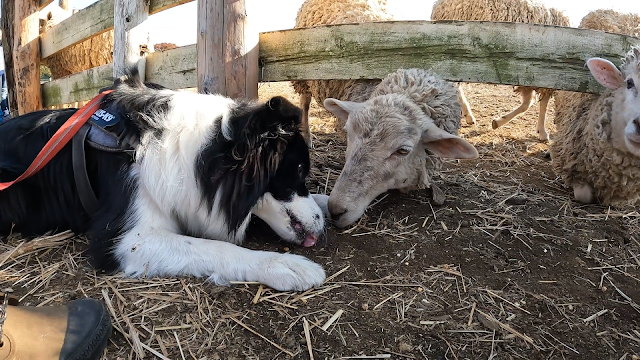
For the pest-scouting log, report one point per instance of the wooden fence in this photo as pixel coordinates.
(230, 60)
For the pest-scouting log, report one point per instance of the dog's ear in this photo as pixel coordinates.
(282, 112)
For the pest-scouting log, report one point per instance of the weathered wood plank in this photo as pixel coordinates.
(175, 69)
(210, 42)
(25, 54)
(6, 22)
(43, 3)
(88, 22)
(283, 59)
(77, 87)
(130, 35)
(227, 50)
(240, 53)
(486, 52)
(227, 47)
(157, 6)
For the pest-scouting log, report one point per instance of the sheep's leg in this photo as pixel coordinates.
(583, 192)
(542, 132)
(527, 100)
(305, 103)
(466, 108)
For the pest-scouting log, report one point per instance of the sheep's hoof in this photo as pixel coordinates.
(470, 120)
(583, 193)
(437, 195)
(544, 137)
(494, 124)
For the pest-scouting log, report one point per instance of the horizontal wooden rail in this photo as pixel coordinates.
(484, 52)
(88, 22)
(175, 68)
(44, 3)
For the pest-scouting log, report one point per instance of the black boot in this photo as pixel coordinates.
(76, 331)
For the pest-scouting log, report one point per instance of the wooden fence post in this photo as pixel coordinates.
(130, 36)
(227, 49)
(20, 30)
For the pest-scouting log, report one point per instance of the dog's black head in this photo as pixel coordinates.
(264, 162)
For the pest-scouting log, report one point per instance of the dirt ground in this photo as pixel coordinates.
(510, 267)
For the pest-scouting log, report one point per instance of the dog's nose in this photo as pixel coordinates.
(336, 210)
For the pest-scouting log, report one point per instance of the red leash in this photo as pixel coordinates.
(60, 139)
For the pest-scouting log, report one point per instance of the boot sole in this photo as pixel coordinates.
(95, 346)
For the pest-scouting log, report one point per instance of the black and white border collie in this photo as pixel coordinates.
(180, 204)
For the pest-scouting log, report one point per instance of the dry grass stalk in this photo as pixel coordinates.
(596, 315)
(307, 336)
(44, 242)
(332, 319)
(262, 337)
(509, 329)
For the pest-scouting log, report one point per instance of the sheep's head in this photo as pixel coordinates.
(625, 107)
(386, 141)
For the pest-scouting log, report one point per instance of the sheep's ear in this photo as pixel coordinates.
(605, 73)
(447, 145)
(341, 109)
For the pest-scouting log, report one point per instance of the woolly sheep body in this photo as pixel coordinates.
(396, 139)
(329, 12)
(519, 11)
(582, 151)
(435, 97)
(612, 21)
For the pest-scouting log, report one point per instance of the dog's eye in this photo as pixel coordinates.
(300, 170)
(630, 83)
(403, 151)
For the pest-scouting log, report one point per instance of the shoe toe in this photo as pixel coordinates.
(88, 329)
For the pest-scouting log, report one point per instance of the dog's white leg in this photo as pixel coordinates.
(162, 253)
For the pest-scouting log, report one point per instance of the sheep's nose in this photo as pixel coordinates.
(636, 122)
(336, 210)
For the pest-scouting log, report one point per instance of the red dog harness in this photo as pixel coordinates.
(60, 139)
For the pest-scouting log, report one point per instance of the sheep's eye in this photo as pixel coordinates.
(630, 83)
(403, 151)
(300, 170)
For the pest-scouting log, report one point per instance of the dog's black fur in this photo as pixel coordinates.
(266, 153)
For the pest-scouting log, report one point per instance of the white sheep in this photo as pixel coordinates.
(521, 11)
(596, 150)
(398, 128)
(396, 139)
(597, 147)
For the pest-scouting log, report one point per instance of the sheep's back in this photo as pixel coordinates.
(436, 97)
(519, 11)
(322, 12)
(612, 21)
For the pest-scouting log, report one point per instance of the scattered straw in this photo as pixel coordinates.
(262, 337)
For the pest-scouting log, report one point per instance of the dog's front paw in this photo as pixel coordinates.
(288, 272)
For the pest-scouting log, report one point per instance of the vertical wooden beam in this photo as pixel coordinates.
(64, 4)
(6, 20)
(22, 54)
(130, 35)
(227, 49)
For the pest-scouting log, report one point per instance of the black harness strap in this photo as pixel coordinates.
(87, 196)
